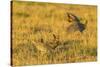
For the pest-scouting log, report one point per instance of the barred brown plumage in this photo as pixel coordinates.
(76, 23)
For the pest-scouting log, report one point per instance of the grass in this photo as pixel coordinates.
(39, 34)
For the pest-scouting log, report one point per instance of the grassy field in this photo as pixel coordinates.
(40, 36)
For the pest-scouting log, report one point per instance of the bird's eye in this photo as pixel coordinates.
(70, 20)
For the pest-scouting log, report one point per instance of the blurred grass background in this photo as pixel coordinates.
(37, 29)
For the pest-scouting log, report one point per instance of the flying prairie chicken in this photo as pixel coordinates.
(76, 23)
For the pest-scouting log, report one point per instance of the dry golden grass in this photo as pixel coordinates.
(39, 34)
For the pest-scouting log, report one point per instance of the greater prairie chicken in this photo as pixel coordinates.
(76, 23)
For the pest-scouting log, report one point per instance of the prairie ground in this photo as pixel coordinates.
(40, 36)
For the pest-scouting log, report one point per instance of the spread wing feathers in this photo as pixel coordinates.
(76, 23)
